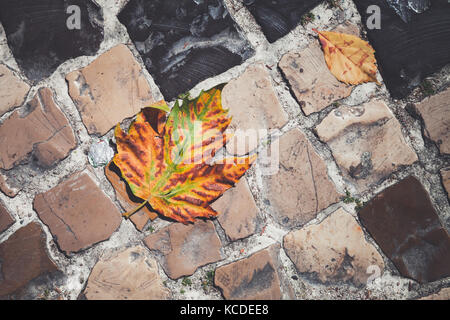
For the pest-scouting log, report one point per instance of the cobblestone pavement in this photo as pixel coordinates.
(358, 207)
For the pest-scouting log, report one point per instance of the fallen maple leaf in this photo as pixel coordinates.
(168, 164)
(349, 58)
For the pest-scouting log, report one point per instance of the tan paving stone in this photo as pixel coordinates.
(109, 90)
(254, 106)
(366, 142)
(435, 112)
(43, 131)
(127, 275)
(443, 294)
(445, 173)
(184, 248)
(253, 278)
(13, 90)
(6, 188)
(77, 213)
(301, 188)
(24, 259)
(237, 211)
(334, 250)
(6, 220)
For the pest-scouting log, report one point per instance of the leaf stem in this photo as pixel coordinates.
(130, 213)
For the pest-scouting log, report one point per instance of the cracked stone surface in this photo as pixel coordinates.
(13, 90)
(25, 264)
(126, 198)
(302, 187)
(6, 220)
(334, 250)
(39, 36)
(252, 278)
(77, 213)
(278, 17)
(254, 108)
(126, 275)
(41, 130)
(109, 89)
(405, 225)
(366, 141)
(184, 42)
(238, 212)
(435, 112)
(184, 248)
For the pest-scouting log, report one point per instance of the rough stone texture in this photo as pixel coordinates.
(183, 42)
(43, 131)
(127, 275)
(109, 89)
(126, 198)
(77, 213)
(13, 90)
(334, 250)
(24, 260)
(184, 248)
(366, 142)
(252, 278)
(237, 211)
(435, 112)
(301, 188)
(445, 173)
(311, 81)
(254, 106)
(443, 294)
(6, 188)
(6, 220)
(39, 36)
(405, 225)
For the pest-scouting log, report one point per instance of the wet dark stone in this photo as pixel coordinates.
(278, 17)
(38, 35)
(407, 52)
(405, 225)
(26, 270)
(183, 43)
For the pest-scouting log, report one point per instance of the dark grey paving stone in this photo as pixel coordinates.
(38, 35)
(183, 42)
(278, 17)
(403, 222)
(407, 52)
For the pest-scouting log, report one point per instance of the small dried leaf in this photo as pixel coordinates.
(349, 58)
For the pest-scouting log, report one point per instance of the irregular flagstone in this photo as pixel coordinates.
(405, 225)
(42, 130)
(127, 275)
(77, 213)
(312, 83)
(43, 34)
(6, 188)
(366, 142)
(334, 250)
(254, 108)
(445, 173)
(127, 200)
(301, 188)
(443, 294)
(25, 263)
(237, 211)
(6, 220)
(183, 42)
(184, 248)
(254, 278)
(110, 89)
(435, 112)
(13, 90)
